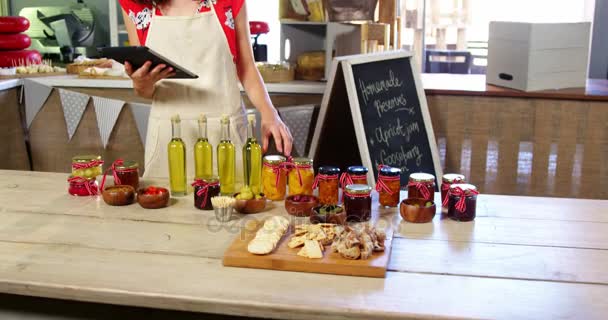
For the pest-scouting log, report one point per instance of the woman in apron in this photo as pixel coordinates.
(211, 39)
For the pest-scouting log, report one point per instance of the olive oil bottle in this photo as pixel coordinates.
(177, 159)
(252, 158)
(226, 159)
(203, 151)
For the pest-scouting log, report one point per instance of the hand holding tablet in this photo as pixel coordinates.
(138, 56)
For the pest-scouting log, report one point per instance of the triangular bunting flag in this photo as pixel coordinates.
(141, 112)
(35, 97)
(107, 111)
(74, 104)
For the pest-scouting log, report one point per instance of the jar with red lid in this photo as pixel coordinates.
(204, 190)
(126, 173)
(82, 187)
(327, 181)
(462, 202)
(358, 202)
(421, 186)
(447, 180)
(389, 186)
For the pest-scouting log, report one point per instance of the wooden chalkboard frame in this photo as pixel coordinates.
(345, 65)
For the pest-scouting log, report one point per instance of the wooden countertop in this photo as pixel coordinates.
(522, 258)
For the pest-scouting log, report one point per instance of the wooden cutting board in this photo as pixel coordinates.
(286, 259)
(34, 75)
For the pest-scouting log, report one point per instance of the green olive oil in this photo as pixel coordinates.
(203, 151)
(252, 158)
(177, 159)
(226, 159)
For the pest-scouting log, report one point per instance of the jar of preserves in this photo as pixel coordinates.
(328, 183)
(462, 202)
(421, 186)
(301, 177)
(204, 190)
(87, 166)
(126, 173)
(447, 180)
(82, 187)
(389, 186)
(358, 202)
(354, 175)
(274, 177)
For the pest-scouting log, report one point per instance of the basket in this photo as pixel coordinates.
(351, 10)
(276, 73)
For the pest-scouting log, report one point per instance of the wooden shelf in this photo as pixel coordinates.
(296, 22)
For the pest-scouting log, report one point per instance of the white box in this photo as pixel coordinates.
(538, 56)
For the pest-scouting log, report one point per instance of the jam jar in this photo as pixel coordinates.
(421, 186)
(126, 173)
(328, 182)
(358, 202)
(274, 177)
(301, 177)
(447, 180)
(87, 166)
(389, 186)
(82, 187)
(462, 202)
(354, 175)
(204, 190)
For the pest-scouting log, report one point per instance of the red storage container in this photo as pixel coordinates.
(14, 24)
(17, 41)
(14, 58)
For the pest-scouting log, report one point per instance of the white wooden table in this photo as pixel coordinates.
(521, 258)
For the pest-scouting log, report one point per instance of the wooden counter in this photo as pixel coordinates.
(522, 258)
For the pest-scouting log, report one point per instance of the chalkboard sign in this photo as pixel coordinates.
(390, 117)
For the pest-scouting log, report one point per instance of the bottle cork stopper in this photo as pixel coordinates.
(175, 118)
(251, 117)
(225, 118)
(202, 118)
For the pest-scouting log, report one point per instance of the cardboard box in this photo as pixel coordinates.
(538, 56)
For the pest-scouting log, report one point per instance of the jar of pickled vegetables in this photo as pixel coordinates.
(462, 202)
(274, 177)
(354, 175)
(389, 186)
(447, 180)
(421, 186)
(358, 202)
(82, 187)
(87, 166)
(126, 173)
(329, 185)
(301, 177)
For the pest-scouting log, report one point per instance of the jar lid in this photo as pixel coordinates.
(85, 158)
(390, 171)
(452, 177)
(464, 186)
(357, 170)
(422, 177)
(87, 179)
(303, 161)
(329, 170)
(128, 165)
(274, 159)
(358, 189)
(210, 180)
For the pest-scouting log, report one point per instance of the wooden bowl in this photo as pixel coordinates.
(250, 206)
(300, 208)
(415, 210)
(158, 200)
(122, 195)
(334, 218)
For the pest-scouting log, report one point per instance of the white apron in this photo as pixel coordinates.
(199, 44)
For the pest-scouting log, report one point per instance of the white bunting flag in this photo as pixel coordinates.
(36, 95)
(141, 113)
(107, 112)
(74, 104)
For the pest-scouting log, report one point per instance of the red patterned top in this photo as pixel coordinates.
(227, 10)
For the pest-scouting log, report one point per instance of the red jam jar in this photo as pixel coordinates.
(447, 180)
(82, 187)
(329, 185)
(204, 190)
(462, 202)
(358, 202)
(421, 186)
(126, 173)
(389, 186)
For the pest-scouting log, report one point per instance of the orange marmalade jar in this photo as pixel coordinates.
(389, 186)
(329, 187)
(274, 177)
(422, 186)
(354, 175)
(301, 177)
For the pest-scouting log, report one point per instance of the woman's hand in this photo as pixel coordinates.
(144, 80)
(273, 126)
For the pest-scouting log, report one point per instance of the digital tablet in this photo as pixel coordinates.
(137, 56)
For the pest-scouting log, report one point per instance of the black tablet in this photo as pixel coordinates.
(137, 56)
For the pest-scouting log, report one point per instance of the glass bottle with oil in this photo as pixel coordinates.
(252, 158)
(226, 159)
(177, 159)
(203, 151)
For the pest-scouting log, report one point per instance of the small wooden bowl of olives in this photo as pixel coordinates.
(248, 203)
(417, 210)
(328, 214)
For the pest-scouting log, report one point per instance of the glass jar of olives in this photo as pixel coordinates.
(87, 166)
